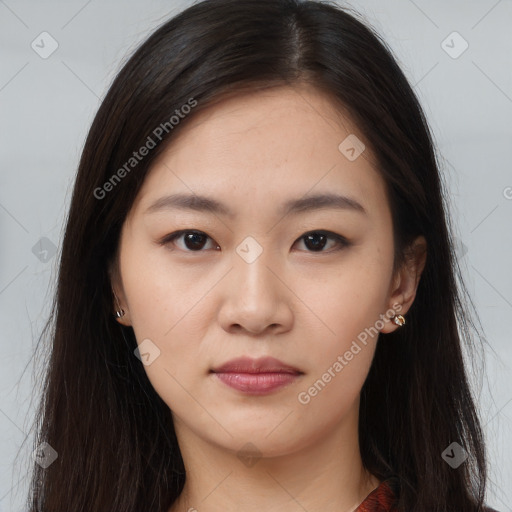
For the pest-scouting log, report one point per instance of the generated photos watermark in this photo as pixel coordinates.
(138, 156)
(304, 397)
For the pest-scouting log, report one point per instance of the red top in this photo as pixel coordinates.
(385, 498)
(382, 499)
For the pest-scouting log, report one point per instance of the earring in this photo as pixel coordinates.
(399, 320)
(120, 310)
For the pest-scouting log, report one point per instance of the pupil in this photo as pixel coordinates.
(315, 238)
(193, 238)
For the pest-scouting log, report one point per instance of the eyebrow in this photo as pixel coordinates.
(194, 202)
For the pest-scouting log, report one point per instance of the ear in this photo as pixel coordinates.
(405, 282)
(118, 296)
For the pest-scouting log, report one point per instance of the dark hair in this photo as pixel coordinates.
(114, 435)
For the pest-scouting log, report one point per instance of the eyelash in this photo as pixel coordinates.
(342, 241)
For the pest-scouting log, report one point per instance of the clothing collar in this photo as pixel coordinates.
(382, 499)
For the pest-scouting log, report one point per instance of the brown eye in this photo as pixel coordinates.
(316, 241)
(193, 241)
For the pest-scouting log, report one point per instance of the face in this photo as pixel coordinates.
(310, 286)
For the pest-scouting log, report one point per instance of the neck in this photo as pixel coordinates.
(326, 475)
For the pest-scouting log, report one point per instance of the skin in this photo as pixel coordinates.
(205, 307)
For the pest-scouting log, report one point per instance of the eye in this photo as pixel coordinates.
(193, 240)
(315, 241)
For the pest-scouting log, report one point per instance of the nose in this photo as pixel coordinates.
(256, 298)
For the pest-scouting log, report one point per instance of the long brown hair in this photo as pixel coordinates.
(114, 436)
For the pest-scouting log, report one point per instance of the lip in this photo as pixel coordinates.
(261, 365)
(256, 376)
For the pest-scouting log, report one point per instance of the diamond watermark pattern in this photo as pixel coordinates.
(351, 147)
(249, 249)
(249, 454)
(44, 455)
(454, 45)
(44, 249)
(147, 352)
(454, 455)
(461, 248)
(44, 45)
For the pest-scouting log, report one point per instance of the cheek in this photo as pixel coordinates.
(348, 304)
(346, 299)
(166, 306)
(341, 351)
(160, 296)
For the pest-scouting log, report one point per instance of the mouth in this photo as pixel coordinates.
(256, 376)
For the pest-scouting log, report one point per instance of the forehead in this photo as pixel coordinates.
(264, 148)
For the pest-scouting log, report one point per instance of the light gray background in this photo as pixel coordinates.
(48, 104)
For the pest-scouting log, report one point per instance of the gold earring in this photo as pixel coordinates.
(399, 320)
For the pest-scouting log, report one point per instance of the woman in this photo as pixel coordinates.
(257, 303)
